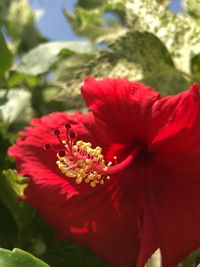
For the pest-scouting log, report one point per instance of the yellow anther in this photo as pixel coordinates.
(89, 144)
(63, 171)
(93, 184)
(98, 148)
(80, 162)
(75, 148)
(89, 150)
(88, 161)
(79, 180)
(83, 163)
(82, 173)
(100, 157)
(91, 176)
(79, 143)
(87, 180)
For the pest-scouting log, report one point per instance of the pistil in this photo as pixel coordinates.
(79, 161)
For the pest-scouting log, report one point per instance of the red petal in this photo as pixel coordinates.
(176, 123)
(87, 215)
(40, 165)
(120, 106)
(171, 213)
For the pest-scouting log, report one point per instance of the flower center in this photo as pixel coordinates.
(79, 161)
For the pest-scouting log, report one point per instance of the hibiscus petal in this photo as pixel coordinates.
(85, 214)
(176, 124)
(40, 165)
(120, 106)
(171, 213)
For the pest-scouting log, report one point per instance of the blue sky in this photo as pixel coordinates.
(54, 25)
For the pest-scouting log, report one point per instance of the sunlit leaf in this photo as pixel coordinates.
(21, 25)
(18, 257)
(42, 58)
(192, 7)
(90, 20)
(137, 56)
(178, 32)
(5, 55)
(13, 103)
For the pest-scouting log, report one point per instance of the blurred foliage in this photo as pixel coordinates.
(18, 257)
(143, 41)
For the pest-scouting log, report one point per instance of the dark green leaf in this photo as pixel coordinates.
(11, 187)
(19, 79)
(5, 56)
(19, 258)
(195, 67)
(90, 4)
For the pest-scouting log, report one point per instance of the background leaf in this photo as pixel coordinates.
(18, 257)
(5, 56)
(13, 103)
(139, 56)
(41, 59)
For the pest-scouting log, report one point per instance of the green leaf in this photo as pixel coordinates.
(12, 104)
(42, 58)
(179, 33)
(90, 4)
(192, 260)
(195, 67)
(5, 56)
(11, 187)
(20, 79)
(20, 23)
(92, 23)
(19, 258)
(192, 7)
(4, 6)
(139, 56)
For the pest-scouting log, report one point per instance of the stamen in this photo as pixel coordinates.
(57, 134)
(68, 126)
(72, 135)
(79, 161)
(61, 153)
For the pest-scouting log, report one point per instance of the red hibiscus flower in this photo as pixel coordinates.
(123, 179)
